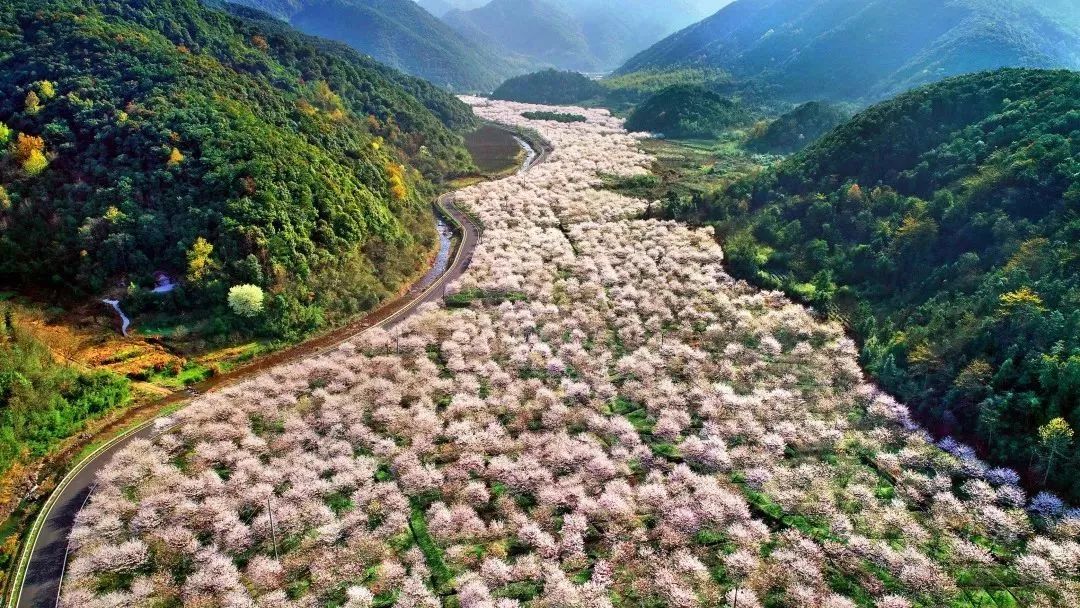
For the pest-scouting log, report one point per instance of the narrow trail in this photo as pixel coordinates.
(45, 563)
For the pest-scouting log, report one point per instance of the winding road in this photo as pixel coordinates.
(44, 570)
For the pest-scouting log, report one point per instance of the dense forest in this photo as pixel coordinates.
(867, 50)
(686, 111)
(943, 226)
(795, 130)
(549, 87)
(163, 135)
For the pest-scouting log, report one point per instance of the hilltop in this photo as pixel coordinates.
(796, 129)
(685, 111)
(549, 87)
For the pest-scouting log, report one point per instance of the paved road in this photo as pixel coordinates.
(41, 586)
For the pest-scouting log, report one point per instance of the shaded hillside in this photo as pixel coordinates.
(943, 225)
(618, 29)
(796, 129)
(867, 49)
(437, 8)
(583, 35)
(683, 111)
(533, 28)
(240, 154)
(443, 104)
(400, 34)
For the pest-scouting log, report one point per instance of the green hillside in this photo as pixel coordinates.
(162, 135)
(944, 226)
(549, 87)
(867, 49)
(43, 402)
(685, 111)
(795, 130)
(402, 35)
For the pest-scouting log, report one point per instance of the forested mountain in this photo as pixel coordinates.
(400, 34)
(944, 225)
(584, 35)
(550, 87)
(163, 135)
(868, 49)
(686, 111)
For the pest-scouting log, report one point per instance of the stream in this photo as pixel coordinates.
(446, 232)
(530, 154)
(125, 322)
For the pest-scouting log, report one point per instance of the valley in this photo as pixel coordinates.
(540, 304)
(600, 411)
(44, 561)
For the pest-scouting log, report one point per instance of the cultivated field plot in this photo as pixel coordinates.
(600, 416)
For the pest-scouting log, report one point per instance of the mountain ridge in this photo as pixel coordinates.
(401, 34)
(581, 35)
(863, 49)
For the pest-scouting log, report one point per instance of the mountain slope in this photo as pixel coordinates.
(400, 34)
(163, 135)
(866, 49)
(583, 35)
(943, 225)
(436, 7)
(533, 28)
(796, 129)
(617, 29)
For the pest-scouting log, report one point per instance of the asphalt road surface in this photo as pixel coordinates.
(45, 571)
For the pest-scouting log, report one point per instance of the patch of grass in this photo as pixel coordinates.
(523, 591)
(641, 420)
(340, 502)
(666, 450)
(442, 579)
(192, 373)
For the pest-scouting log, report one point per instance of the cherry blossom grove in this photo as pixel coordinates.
(599, 416)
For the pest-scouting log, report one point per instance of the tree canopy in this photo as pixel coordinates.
(686, 111)
(942, 225)
(162, 135)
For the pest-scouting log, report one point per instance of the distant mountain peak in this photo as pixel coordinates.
(585, 35)
(868, 49)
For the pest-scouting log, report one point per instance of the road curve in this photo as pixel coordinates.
(40, 588)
